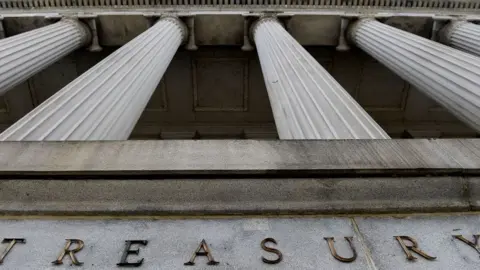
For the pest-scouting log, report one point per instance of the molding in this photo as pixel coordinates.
(464, 5)
(239, 177)
(326, 158)
(231, 196)
(267, 130)
(249, 11)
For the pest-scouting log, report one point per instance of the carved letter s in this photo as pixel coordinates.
(272, 250)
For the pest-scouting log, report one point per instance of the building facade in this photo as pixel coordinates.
(171, 134)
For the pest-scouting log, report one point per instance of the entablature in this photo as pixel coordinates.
(223, 22)
(239, 176)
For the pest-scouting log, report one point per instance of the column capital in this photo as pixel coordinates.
(264, 18)
(445, 35)
(179, 23)
(81, 27)
(354, 25)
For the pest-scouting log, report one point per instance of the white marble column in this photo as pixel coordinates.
(462, 35)
(307, 103)
(105, 102)
(23, 55)
(447, 75)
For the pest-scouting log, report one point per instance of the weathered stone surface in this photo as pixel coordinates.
(234, 243)
(473, 186)
(229, 177)
(243, 156)
(434, 237)
(233, 196)
(466, 6)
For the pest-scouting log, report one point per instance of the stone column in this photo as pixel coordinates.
(307, 103)
(23, 55)
(105, 102)
(462, 35)
(447, 75)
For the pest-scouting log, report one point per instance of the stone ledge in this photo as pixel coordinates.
(239, 177)
(473, 187)
(214, 158)
(239, 196)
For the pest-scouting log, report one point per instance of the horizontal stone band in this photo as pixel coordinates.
(232, 177)
(419, 4)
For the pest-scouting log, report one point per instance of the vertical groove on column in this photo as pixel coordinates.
(307, 102)
(462, 35)
(105, 102)
(449, 76)
(23, 55)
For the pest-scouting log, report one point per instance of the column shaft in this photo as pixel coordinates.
(23, 55)
(105, 102)
(306, 101)
(449, 76)
(462, 35)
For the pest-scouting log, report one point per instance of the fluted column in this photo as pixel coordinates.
(23, 55)
(307, 103)
(447, 75)
(105, 102)
(462, 35)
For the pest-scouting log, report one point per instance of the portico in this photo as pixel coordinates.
(449, 76)
(106, 102)
(218, 134)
